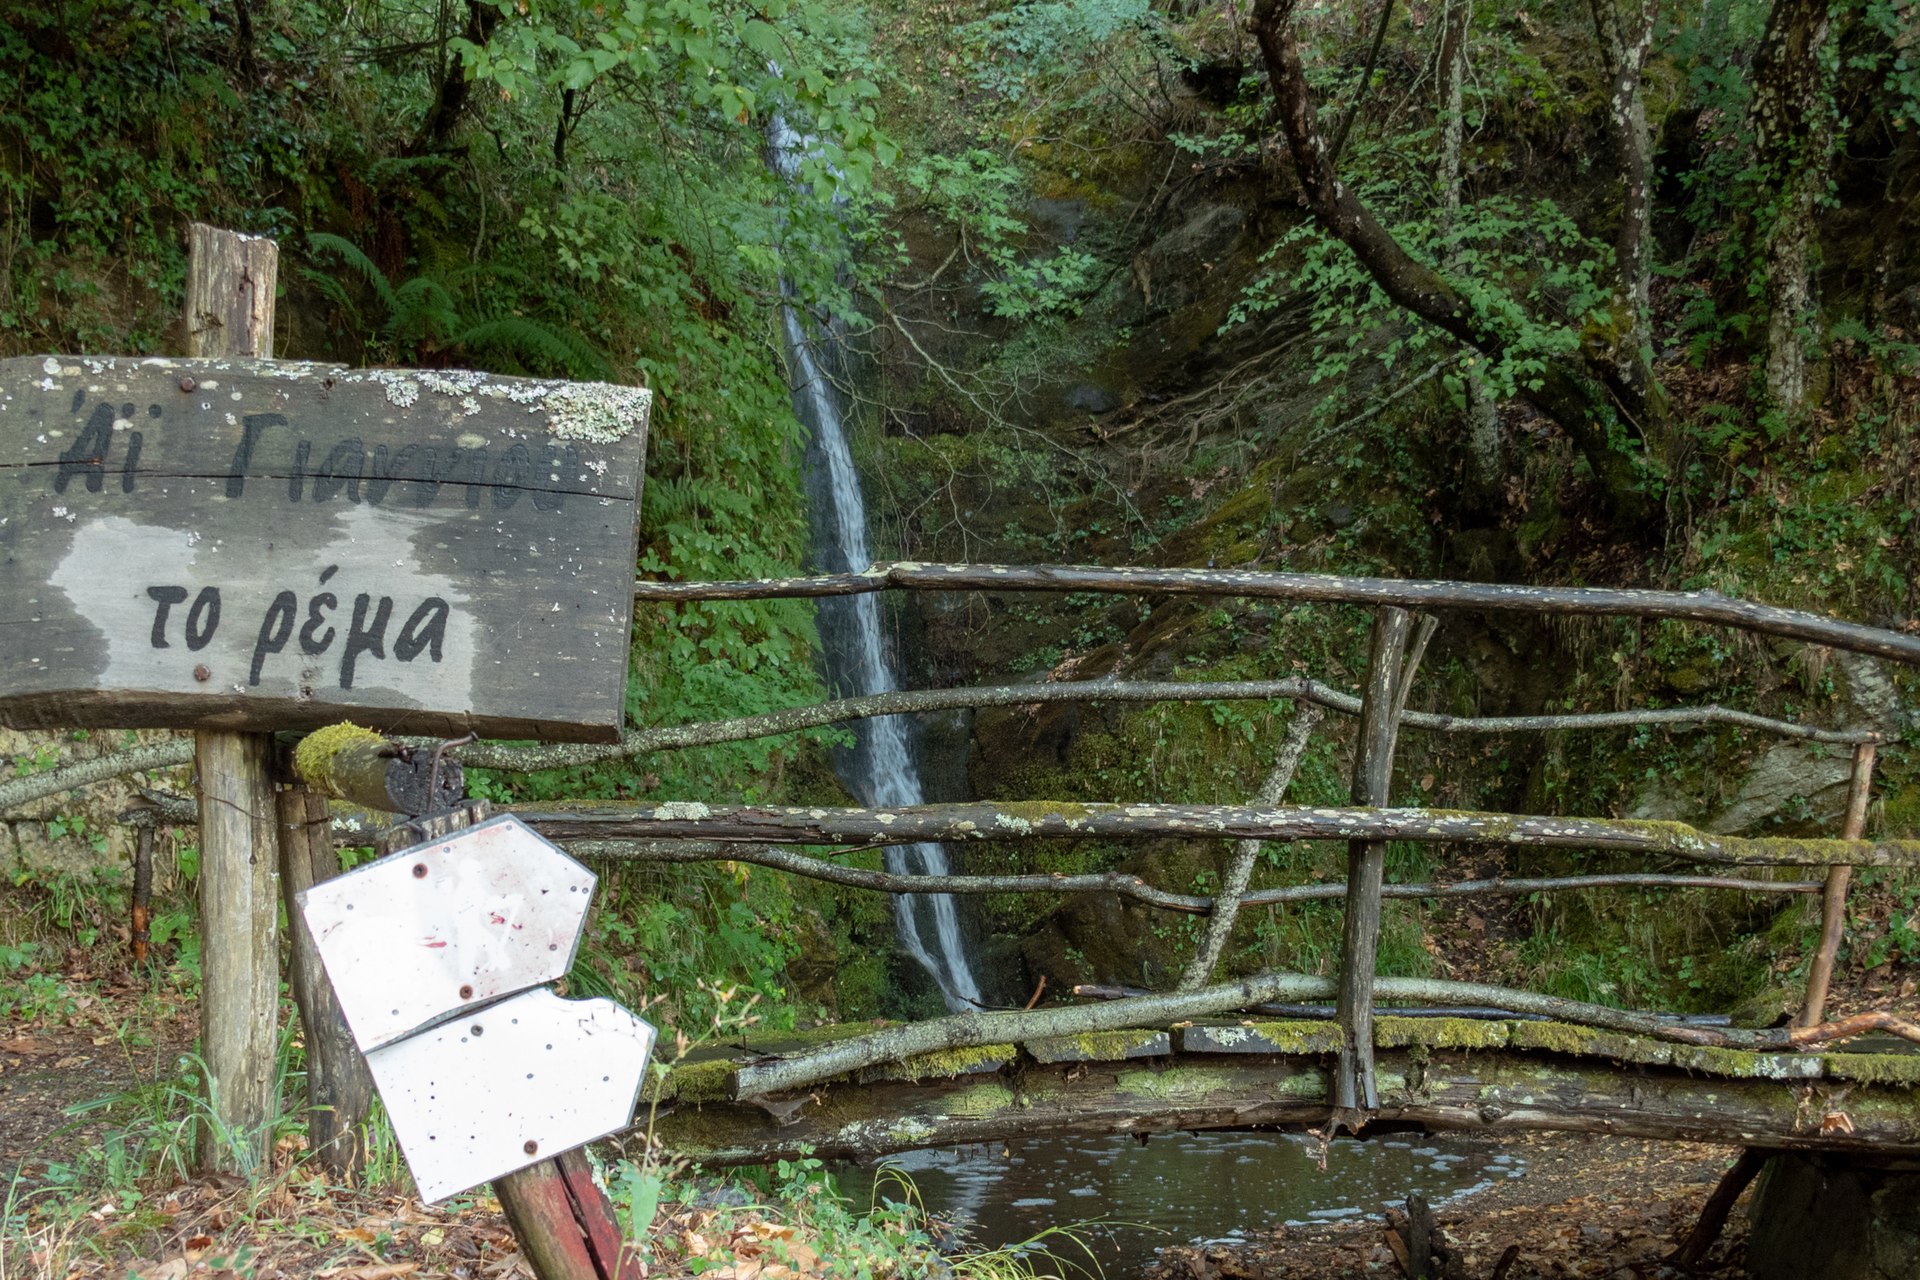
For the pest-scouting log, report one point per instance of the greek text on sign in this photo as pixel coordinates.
(421, 946)
(249, 543)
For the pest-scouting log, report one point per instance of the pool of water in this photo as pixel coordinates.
(1123, 1201)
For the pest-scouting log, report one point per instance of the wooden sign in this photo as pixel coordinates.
(421, 946)
(268, 544)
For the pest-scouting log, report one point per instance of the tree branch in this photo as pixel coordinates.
(1129, 886)
(1233, 886)
(1318, 588)
(969, 1030)
(1054, 820)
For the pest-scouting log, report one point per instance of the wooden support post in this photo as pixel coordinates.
(1388, 677)
(339, 1087)
(564, 1222)
(230, 300)
(1833, 914)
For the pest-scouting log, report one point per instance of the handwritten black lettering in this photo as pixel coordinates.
(362, 638)
(87, 455)
(298, 479)
(336, 472)
(312, 641)
(510, 475)
(560, 465)
(131, 466)
(165, 598)
(203, 619)
(380, 475)
(426, 629)
(275, 628)
(251, 428)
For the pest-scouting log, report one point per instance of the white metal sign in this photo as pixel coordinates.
(447, 925)
(421, 946)
(499, 1088)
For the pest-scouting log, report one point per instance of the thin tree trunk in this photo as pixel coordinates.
(1794, 131)
(1487, 468)
(1625, 357)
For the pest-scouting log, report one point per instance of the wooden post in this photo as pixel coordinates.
(339, 1087)
(230, 300)
(1833, 914)
(1388, 676)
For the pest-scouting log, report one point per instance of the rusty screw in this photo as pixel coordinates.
(419, 871)
(202, 673)
(466, 993)
(188, 384)
(530, 1146)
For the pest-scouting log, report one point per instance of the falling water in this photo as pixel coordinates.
(880, 771)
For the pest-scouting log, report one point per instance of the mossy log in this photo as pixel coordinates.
(1318, 588)
(958, 823)
(346, 762)
(1488, 1077)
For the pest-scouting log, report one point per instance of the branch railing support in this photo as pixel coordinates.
(1833, 914)
(1393, 653)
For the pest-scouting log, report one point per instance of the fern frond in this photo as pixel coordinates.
(356, 260)
(539, 346)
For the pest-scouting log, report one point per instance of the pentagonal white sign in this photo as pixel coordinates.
(447, 925)
(503, 1087)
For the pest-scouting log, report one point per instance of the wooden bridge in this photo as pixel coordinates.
(1205, 1056)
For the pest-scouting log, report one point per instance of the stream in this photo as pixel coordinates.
(1113, 1202)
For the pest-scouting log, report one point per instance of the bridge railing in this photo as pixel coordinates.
(692, 832)
(684, 833)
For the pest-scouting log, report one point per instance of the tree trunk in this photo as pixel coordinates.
(1487, 469)
(1794, 131)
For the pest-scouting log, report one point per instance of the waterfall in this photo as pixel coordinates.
(880, 771)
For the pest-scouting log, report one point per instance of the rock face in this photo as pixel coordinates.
(1817, 1216)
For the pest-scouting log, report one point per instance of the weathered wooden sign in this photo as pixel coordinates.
(421, 946)
(257, 543)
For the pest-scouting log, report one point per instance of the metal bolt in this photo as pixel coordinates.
(466, 993)
(419, 871)
(529, 1146)
(202, 673)
(188, 384)
(475, 1029)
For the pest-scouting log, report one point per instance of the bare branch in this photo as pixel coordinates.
(1233, 886)
(968, 1030)
(1410, 593)
(170, 753)
(1131, 886)
(1056, 820)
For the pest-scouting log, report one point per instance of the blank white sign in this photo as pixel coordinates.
(447, 925)
(507, 1086)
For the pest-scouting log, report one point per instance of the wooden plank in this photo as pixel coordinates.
(229, 312)
(1099, 1046)
(1353, 1084)
(339, 1088)
(251, 544)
